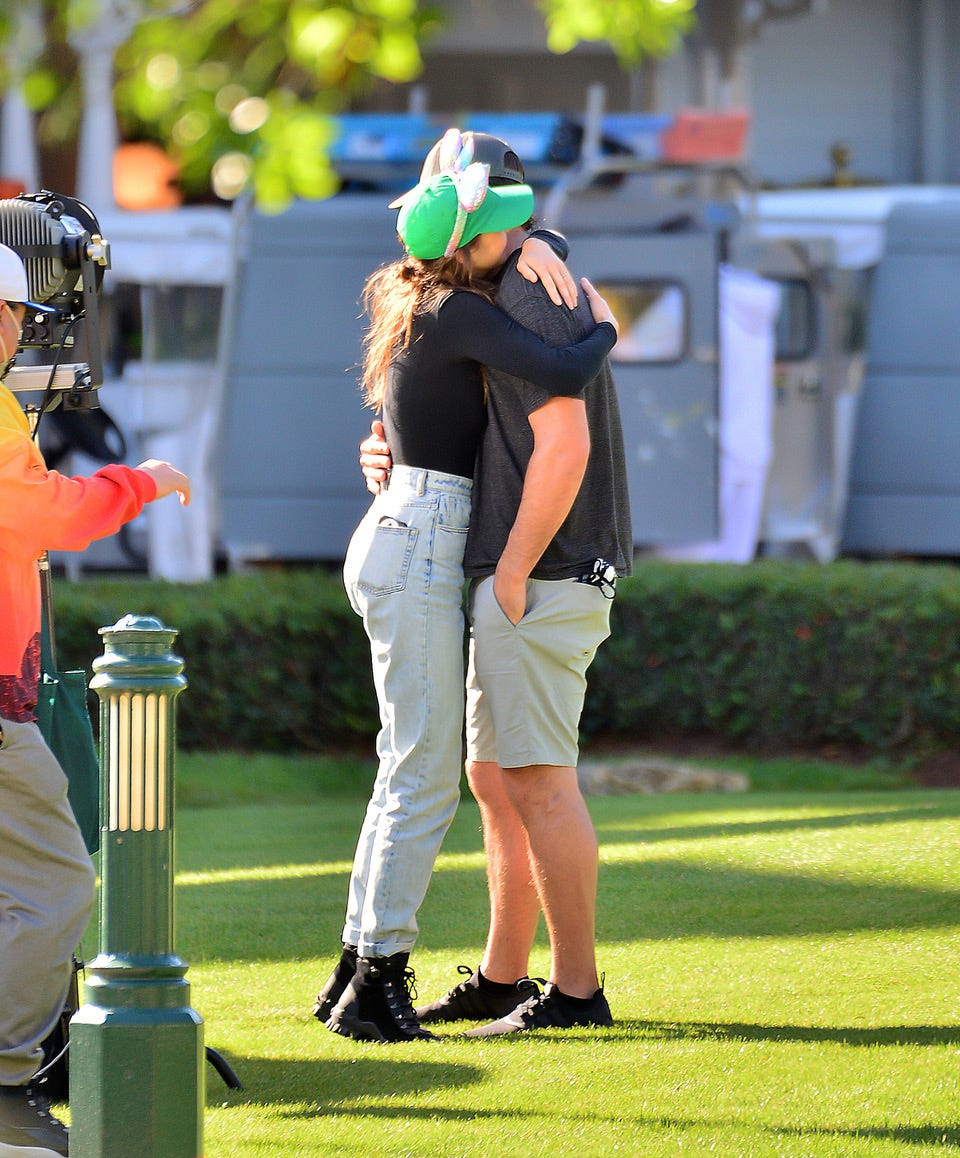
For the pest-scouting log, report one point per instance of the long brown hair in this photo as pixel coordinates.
(392, 298)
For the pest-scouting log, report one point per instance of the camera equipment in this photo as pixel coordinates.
(59, 241)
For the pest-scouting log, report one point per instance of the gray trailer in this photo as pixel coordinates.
(653, 242)
(273, 411)
(905, 478)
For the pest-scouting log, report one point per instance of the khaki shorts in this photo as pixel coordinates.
(526, 682)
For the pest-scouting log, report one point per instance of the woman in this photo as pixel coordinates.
(433, 326)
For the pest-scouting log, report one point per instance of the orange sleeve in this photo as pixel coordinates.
(43, 510)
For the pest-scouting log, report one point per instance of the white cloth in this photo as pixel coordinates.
(179, 423)
(748, 313)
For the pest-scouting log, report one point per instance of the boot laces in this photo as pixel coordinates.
(400, 995)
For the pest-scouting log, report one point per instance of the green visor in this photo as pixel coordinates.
(433, 212)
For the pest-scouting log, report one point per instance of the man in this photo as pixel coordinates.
(46, 876)
(549, 533)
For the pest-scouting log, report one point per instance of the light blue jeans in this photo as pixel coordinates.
(404, 575)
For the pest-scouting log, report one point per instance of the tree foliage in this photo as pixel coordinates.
(635, 28)
(654, 28)
(241, 92)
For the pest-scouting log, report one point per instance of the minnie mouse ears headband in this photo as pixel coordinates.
(448, 211)
(505, 166)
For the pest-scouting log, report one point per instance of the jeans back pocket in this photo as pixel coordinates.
(386, 563)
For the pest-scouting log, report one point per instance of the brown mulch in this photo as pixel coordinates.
(706, 747)
(941, 770)
(938, 770)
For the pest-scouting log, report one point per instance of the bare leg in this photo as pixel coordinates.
(563, 850)
(514, 904)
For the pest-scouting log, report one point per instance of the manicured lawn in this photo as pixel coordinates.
(783, 967)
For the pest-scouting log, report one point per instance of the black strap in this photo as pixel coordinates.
(48, 643)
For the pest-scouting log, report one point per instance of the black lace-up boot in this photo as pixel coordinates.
(336, 983)
(376, 1004)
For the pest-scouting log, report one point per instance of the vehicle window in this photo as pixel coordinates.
(796, 321)
(653, 319)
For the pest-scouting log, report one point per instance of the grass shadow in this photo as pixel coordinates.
(881, 1035)
(661, 900)
(724, 829)
(946, 1137)
(671, 899)
(336, 1081)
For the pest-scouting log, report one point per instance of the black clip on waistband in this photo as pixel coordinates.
(603, 575)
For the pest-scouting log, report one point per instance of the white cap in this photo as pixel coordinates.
(13, 279)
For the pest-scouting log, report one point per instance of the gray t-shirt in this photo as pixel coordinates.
(598, 525)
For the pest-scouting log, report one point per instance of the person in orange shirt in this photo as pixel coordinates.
(46, 876)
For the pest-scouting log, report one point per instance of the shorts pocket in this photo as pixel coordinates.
(488, 612)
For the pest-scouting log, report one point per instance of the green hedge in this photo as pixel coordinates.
(776, 655)
(769, 656)
(274, 661)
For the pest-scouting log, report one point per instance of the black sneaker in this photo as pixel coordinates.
(471, 1000)
(548, 1010)
(27, 1128)
(376, 1004)
(338, 980)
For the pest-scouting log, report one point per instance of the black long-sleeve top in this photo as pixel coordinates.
(433, 409)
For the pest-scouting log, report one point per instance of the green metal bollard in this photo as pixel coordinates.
(136, 1046)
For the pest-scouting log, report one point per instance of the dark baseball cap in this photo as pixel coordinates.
(505, 165)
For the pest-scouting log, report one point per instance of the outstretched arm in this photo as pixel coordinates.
(167, 479)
